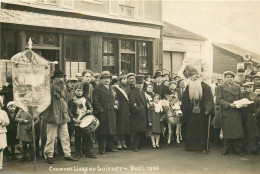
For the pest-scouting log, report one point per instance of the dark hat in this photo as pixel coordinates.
(248, 76)
(190, 71)
(105, 74)
(58, 73)
(139, 79)
(96, 75)
(158, 73)
(257, 75)
(130, 74)
(241, 70)
(229, 73)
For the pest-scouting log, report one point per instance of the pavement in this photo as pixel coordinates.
(148, 161)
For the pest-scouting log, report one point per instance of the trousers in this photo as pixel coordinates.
(232, 144)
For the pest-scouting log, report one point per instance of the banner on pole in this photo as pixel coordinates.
(31, 81)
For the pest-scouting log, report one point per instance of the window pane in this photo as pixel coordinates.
(34, 36)
(128, 45)
(51, 39)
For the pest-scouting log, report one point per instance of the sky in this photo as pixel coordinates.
(232, 22)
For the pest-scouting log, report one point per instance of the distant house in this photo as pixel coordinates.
(179, 44)
(228, 57)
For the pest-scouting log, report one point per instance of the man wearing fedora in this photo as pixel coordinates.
(57, 119)
(104, 107)
(138, 113)
(158, 86)
(231, 117)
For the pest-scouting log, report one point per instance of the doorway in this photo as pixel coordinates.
(127, 62)
(172, 61)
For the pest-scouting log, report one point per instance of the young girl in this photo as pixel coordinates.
(24, 133)
(155, 119)
(4, 121)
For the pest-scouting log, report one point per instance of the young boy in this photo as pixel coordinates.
(79, 107)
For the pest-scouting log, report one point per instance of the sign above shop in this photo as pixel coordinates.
(43, 20)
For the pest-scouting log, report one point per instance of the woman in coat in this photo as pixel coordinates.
(123, 112)
(104, 106)
(138, 113)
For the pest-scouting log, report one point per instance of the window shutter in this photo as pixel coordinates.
(113, 7)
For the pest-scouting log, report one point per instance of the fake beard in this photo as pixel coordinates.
(195, 89)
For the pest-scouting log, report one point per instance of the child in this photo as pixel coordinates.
(79, 107)
(155, 119)
(4, 121)
(24, 133)
(12, 128)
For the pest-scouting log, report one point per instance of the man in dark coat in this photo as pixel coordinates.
(57, 119)
(138, 113)
(231, 117)
(104, 106)
(158, 86)
(7, 92)
(197, 105)
(131, 80)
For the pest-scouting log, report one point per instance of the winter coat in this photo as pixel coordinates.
(103, 105)
(4, 118)
(58, 109)
(138, 111)
(231, 118)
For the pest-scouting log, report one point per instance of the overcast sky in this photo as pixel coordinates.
(234, 22)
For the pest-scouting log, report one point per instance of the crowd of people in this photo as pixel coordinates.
(134, 111)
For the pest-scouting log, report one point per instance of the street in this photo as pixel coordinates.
(165, 160)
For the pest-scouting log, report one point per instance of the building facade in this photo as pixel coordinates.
(179, 44)
(229, 57)
(99, 35)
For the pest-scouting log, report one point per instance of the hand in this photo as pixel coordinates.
(135, 105)
(232, 105)
(68, 119)
(161, 119)
(25, 121)
(115, 107)
(150, 124)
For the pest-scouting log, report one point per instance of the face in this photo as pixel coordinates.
(156, 99)
(140, 85)
(71, 84)
(131, 80)
(220, 81)
(177, 79)
(11, 108)
(148, 79)
(124, 80)
(247, 79)
(166, 78)
(166, 83)
(59, 79)
(240, 74)
(229, 79)
(257, 91)
(182, 84)
(79, 77)
(194, 78)
(173, 86)
(106, 80)
(174, 100)
(87, 78)
(79, 92)
(249, 88)
(149, 88)
(159, 79)
(257, 80)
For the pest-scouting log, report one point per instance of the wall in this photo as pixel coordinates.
(223, 61)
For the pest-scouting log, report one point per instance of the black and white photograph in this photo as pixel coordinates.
(130, 86)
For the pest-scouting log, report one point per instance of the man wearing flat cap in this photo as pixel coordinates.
(138, 113)
(131, 80)
(104, 107)
(249, 120)
(231, 117)
(57, 119)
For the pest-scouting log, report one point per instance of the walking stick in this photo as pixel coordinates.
(208, 133)
(33, 135)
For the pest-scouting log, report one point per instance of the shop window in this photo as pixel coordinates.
(109, 56)
(144, 59)
(76, 54)
(43, 39)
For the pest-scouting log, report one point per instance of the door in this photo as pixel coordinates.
(177, 59)
(167, 61)
(127, 63)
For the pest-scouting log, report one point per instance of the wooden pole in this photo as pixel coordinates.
(31, 110)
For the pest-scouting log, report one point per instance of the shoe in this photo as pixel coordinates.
(154, 146)
(78, 157)
(50, 160)
(119, 147)
(135, 149)
(224, 153)
(70, 158)
(22, 159)
(168, 144)
(101, 152)
(92, 155)
(204, 151)
(124, 146)
(111, 150)
(238, 153)
(158, 146)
